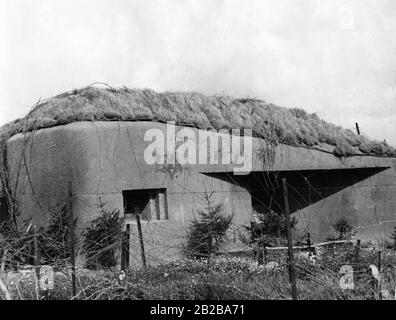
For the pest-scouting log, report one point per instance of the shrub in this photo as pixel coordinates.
(268, 228)
(377, 148)
(344, 228)
(54, 241)
(19, 243)
(299, 113)
(206, 234)
(103, 238)
(343, 149)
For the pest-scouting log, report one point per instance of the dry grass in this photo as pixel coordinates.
(228, 279)
(275, 124)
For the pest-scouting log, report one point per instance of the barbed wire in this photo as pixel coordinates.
(107, 285)
(162, 242)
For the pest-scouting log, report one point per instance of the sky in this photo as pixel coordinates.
(330, 57)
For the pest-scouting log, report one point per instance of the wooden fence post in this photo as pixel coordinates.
(125, 246)
(380, 276)
(357, 251)
(3, 261)
(357, 128)
(36, 257)
(72, 240)
(36, 262)
(289, 241)
(139, 227)
(265, 252)
(309, 243)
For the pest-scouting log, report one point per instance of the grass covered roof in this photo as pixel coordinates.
(275, 124)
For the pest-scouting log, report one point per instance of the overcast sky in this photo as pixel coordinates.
(335, 58)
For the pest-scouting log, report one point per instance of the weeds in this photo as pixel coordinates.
(230, 279)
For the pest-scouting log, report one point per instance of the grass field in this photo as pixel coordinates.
(225, 278)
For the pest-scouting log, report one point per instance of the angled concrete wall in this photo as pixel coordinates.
(370, 205)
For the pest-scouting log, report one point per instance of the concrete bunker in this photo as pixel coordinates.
(331, 172)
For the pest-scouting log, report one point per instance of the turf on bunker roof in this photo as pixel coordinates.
(275, 124)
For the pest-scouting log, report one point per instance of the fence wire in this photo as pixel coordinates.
(253, 273)
(240, 270)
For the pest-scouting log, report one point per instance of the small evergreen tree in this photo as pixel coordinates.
(103, 238)
(54, 241)
(206, 234)
(344, 228)
(268, 228)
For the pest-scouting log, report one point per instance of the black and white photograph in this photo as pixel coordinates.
(197, 155)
